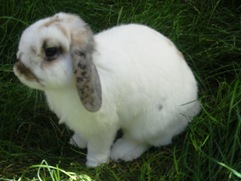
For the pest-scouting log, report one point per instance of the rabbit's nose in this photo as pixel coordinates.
(23, 70)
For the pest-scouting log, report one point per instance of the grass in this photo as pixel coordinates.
(34, 147)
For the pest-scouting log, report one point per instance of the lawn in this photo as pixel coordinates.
(33, 146)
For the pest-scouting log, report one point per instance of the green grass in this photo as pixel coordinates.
(34, 147)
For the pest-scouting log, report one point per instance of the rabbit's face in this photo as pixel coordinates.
(55, 53)
(44, 59)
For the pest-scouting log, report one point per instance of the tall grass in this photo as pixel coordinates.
(34, 147)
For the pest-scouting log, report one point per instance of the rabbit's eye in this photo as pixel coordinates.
(52, 53)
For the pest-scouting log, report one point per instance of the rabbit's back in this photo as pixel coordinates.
(147, 78)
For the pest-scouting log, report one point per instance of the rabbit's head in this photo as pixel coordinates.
(56, 53)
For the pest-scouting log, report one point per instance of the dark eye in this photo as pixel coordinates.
(52, 53)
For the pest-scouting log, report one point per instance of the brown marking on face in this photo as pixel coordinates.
(23, 70)
(62, 29)
(52, 43)
(51, 21)
(56, 21)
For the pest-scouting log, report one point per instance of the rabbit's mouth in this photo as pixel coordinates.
(25, 71)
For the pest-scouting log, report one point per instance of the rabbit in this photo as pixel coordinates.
(128, 77)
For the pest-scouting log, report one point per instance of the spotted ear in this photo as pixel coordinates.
(86, 75)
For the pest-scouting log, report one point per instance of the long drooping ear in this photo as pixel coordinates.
(87, 78)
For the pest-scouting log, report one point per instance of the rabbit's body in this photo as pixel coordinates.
(157, 92)
(148, 91)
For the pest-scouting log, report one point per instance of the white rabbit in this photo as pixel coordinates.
(129, 77)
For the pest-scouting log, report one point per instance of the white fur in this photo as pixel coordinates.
(148, 91)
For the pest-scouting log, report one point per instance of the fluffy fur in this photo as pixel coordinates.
(145, 87)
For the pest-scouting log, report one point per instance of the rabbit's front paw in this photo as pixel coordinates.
(126, 150)
(94, 161)
(77, 140)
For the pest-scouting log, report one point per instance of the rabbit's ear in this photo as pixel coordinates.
(86, 75)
